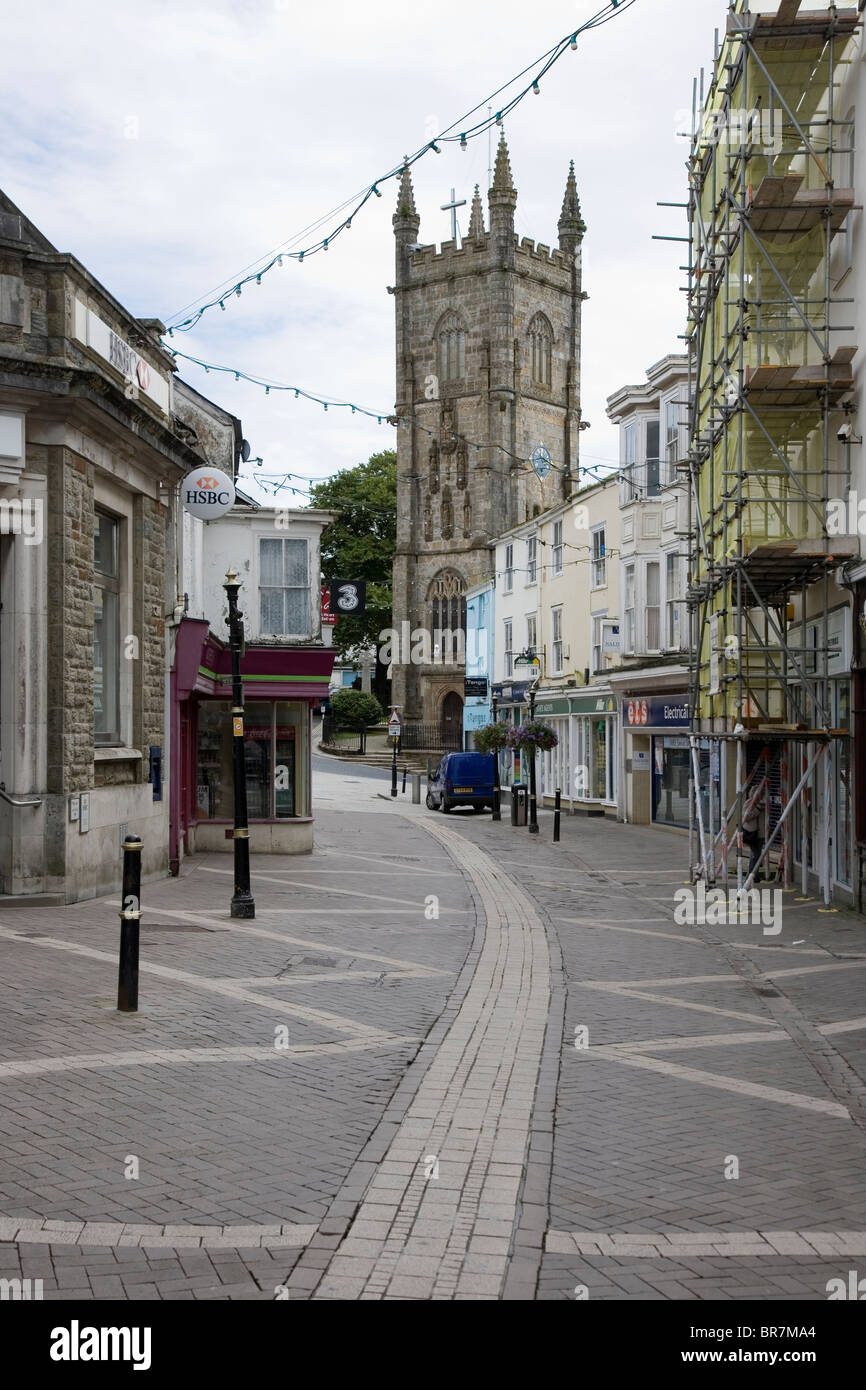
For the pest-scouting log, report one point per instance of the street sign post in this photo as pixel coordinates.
(395, 724)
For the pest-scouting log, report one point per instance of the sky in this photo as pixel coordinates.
(172, 145)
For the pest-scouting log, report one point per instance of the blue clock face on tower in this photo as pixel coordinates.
(541, 461)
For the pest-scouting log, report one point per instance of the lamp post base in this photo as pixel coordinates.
(243, 905)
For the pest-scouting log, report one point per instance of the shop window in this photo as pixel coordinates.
(284, 587)
(275, 755)
(106, 628)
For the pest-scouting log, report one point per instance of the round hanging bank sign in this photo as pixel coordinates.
(208, 493)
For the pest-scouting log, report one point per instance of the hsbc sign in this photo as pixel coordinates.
(208, 493)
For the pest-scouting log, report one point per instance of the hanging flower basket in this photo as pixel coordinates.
(532, 736)
(491, 737)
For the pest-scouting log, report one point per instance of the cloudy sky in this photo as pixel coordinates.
(171, 145)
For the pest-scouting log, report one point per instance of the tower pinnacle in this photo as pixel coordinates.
(406, 217)
(476, 215)
(571, 224)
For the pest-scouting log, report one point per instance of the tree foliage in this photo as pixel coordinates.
(355, 708)
(359, 544)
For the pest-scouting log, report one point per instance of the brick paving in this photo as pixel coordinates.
(355, 1097)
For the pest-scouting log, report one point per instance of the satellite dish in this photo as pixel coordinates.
(245, 450)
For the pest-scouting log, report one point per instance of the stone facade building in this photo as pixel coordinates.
(92, 449)
(488, 372)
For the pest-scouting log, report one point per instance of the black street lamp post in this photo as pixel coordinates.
(243, 904)
(533, 809)
(497, 811)
(529, 658)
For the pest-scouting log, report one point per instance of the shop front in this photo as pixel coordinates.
(511, 704)
(555, 766)
(281, 685)
(594, 752)
(658, 762)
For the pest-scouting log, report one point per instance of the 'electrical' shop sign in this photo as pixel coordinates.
(208, 493)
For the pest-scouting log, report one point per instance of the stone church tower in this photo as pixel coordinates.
(488, 369)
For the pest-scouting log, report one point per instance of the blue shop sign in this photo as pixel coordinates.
(656, 712)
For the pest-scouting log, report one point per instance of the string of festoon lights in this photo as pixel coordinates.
(382, 416)
(461, 131)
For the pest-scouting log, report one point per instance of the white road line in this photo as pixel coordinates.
(850, 1025)
(627, 993)
(343, 892)
(245, 929)
(723, 1083)
(815, 969)
(333, 1022)
(617, 924)
(184, 1056)
(680, 1245)
(33, 1231)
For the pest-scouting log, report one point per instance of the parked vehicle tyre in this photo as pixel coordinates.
(445, 806)
(431, 804)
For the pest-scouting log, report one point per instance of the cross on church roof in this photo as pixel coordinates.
(452, 208)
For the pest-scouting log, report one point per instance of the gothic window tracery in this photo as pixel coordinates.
(446, 594)
(541, 349)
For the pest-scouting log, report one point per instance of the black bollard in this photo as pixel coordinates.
(556, 816)
(130, 916)
(394, 770)
(403, 788)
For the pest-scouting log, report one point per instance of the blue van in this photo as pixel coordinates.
(462, 779)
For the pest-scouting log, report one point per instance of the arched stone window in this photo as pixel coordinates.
(446, 594)
(451, 337)
(541, 349)
(428, 520)
(434, 467)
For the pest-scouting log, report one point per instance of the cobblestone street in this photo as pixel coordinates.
(380, 1088)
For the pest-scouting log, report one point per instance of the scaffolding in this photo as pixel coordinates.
(772, 374)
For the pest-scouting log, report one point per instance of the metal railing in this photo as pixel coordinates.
(444, 738)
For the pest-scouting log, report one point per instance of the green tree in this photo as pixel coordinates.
(355, 708)
(359, 544)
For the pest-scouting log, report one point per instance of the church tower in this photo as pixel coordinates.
(488, 371)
